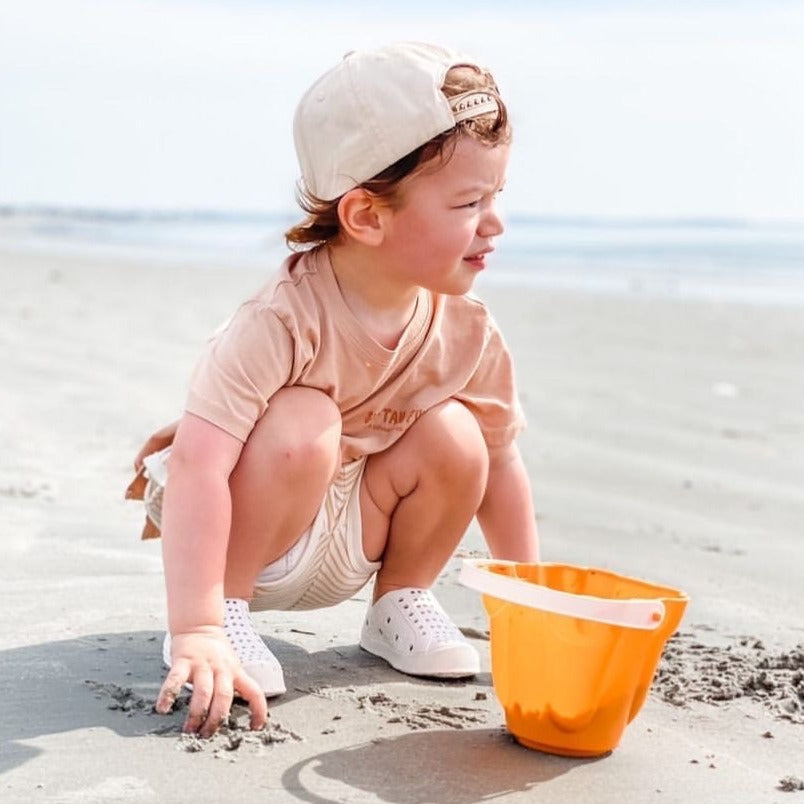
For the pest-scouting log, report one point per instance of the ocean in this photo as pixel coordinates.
(716, 260)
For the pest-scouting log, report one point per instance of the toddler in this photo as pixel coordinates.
(353, 416)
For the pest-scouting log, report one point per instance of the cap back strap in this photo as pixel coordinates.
(472, 104)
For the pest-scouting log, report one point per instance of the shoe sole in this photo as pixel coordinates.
(412, 666)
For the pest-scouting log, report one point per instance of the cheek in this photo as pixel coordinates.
(462, 233)
(428, 233)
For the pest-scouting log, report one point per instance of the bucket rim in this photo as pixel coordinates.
(640, 613)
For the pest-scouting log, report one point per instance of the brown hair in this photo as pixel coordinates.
(322, 224)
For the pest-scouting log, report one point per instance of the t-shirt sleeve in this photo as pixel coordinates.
(491, 392)
(241, 368)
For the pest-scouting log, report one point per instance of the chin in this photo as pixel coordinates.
(455, 284)
(458, 288)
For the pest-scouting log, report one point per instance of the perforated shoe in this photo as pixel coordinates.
(248, 646)
(409, 629)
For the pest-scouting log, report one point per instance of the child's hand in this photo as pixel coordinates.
(207, 661)
(156, 441)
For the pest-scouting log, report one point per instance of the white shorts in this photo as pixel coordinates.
(325, 566)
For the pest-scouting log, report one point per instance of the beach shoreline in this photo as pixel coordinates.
(665, 441)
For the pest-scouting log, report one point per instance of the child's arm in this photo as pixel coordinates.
(506, 514)
(196, 518)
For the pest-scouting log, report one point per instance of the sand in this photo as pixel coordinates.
(666, 440)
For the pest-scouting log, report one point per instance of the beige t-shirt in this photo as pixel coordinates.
(298, 330)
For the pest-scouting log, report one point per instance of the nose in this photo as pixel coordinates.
(491, 223)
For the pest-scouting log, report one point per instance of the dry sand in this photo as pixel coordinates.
(666, 440)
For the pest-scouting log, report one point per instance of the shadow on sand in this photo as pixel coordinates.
(111, 681)
(459, 767)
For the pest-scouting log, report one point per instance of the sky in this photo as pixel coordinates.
(621, 109)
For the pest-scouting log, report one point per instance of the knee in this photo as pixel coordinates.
(299, 434)
(456, 450)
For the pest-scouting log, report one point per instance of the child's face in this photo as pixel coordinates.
(444, 226)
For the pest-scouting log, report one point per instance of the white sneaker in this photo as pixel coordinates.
(248, 646)
(409, 629)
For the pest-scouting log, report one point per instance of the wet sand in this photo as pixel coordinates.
(666, 441)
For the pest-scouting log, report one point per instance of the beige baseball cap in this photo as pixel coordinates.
(373, 108)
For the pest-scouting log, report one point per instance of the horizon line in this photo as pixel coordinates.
(165, 214)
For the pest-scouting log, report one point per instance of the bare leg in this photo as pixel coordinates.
(279, 482)
(419, 496)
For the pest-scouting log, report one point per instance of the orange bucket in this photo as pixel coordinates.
(573, 649)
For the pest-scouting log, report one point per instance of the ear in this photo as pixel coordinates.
(361, 215)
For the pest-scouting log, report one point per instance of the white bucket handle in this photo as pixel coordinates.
(646, 614)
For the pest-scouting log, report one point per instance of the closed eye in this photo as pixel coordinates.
(478, 201)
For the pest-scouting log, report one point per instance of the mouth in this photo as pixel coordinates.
(478, 261)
